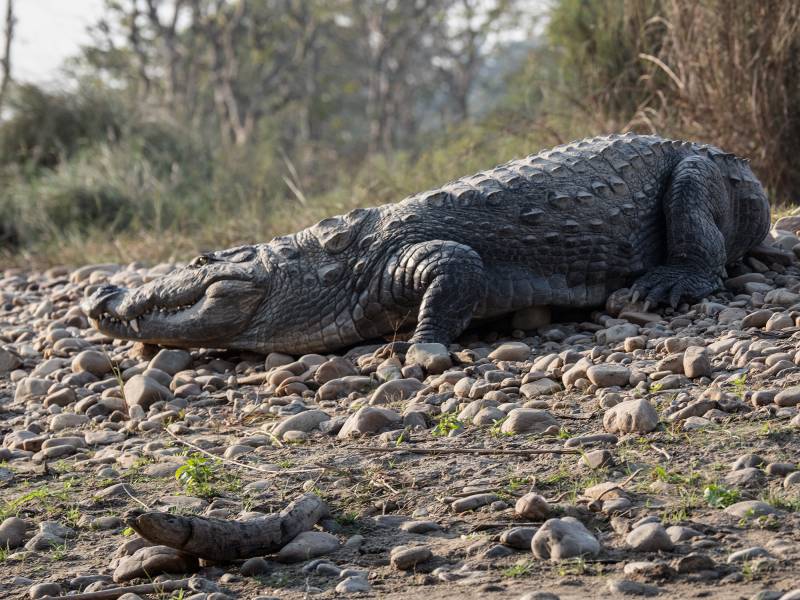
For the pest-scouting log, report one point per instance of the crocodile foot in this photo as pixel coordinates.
(673, 284)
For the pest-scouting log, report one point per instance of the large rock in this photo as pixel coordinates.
(511, 351)
(607, 375)
(8, 361)
(143, 391)
(368, 419)
(696, 362)
(12, 533)
(308, 544)
(434, 358)
(632, 416)
(95, 362)
(341, 387)
(171, 361)
(788, 397)
(564, 538)
(67, 421)
(334, 369)
(304, 421)
(540, 387)
(396, 390)
(528, 420)
(32, 388)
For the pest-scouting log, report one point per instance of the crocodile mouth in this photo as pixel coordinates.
(224, 306)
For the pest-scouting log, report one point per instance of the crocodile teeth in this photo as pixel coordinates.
(134, 324)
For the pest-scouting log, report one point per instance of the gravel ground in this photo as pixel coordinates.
(617, 453)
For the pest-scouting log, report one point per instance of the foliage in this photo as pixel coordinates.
(196, 474)
(718, 496)
(190, 125)
(445, 424)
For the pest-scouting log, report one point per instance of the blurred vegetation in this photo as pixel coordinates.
(198, 124)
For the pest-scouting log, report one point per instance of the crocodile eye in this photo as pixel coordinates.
(200, 261)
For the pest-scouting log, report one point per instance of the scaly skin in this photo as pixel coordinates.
(565, 227)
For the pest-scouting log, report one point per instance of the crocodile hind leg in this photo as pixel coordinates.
(444, 281)
(695, 204)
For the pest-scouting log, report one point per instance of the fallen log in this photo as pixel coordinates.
(478, 451)
(146, 588)
(223, 541)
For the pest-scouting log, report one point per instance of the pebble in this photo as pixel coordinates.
(473, 502)
(308, 544)
(511, 351)
(44, 590)
(255, 566)
(305, 421)
(650, 537)
(404, 558)
(533, 507)
(353, 585)
(608, 375)
(368, 419)
(528, 420)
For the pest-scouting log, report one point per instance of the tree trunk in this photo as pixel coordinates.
(5, 62)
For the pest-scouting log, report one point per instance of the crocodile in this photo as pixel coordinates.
(562, 228)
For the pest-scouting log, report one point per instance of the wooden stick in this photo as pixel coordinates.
(241, 464)
(145, 588)
(661, 451)
(479, 451)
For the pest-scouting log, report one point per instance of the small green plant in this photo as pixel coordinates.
(446, 423)
(59, 551)
(519, 570)
(347, 518)
(718, 496)
(563, 434)
(739, 382)
(573, 567)
(496, 430)
(655, 387)
(196, 474)
(285, 463)
(128, 531)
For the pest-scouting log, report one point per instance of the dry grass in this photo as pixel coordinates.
(734, 79)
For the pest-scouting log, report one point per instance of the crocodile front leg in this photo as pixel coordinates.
(694, 206)
(443, 281)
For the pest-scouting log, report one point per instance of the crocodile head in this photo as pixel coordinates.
(211, 302)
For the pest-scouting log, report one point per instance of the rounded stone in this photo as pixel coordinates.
(564, 538)
(631, 416)
(404, 558)
(171, 361)
(143, 391)
(607, 375)
(532, 506)
(650, 537)
(511, 351)
(528, 420)
(93, 361)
